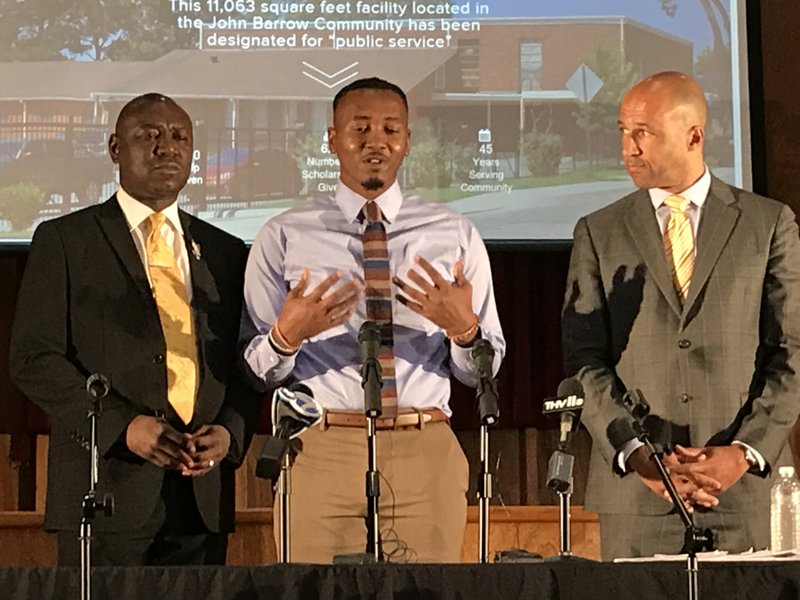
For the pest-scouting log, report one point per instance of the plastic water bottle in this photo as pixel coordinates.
(785, 511)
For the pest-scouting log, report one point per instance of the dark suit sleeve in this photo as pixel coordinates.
(586, 340)
(41, 365)
(776, 405)
(242, 404)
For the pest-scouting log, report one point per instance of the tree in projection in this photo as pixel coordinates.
(89, 29)
(713, 73)
(598, 118)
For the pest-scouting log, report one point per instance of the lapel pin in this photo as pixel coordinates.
(196, 250)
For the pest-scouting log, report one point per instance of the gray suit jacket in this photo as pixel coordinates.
(722, 367)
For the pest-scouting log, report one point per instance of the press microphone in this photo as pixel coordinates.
(482, 355)
(369, 338)
(568, 403)
(636, 405)
(294, 410)
(97, 386)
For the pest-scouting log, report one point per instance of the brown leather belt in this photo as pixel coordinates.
(405, 418)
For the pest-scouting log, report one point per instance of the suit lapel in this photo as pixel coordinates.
(204, 291)
(643, 227)
(115, 228)
(718, 219)
(203, 284)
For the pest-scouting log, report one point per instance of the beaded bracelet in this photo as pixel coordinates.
(464, 338)
(278, 341)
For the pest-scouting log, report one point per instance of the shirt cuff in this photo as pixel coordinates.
(269, 365)
(625, 453)
(462, 358)
(750, 454)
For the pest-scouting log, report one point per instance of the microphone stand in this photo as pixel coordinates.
(482, 354)
(559, 478)
(97, 388)
(279, 452)
(284, 494)
(695, 539)
(372, 382)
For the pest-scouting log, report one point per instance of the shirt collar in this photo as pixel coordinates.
(351, 203)
(695, 193)
(137, 213)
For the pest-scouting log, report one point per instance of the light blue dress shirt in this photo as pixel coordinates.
(324, 235)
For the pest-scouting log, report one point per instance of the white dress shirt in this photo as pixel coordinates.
(137, 213)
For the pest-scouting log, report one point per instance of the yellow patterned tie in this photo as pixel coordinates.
(679, 244)
(175, 313)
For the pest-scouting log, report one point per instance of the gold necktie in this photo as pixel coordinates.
(679, 244)
(175, 313)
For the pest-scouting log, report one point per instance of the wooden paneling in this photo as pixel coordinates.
(23, 542)
(534, 528)
(9, 476)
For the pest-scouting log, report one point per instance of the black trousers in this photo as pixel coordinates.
(174, 535)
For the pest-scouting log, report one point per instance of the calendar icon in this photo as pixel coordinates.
(484, 136)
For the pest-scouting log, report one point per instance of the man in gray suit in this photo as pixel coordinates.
(689, 290)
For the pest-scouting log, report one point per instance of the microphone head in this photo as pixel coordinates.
(301, 388)
(97, 385)
(570, 387)
(569, 398)
(295, 406)
(369, 332)
(481, 347)
(635, 404)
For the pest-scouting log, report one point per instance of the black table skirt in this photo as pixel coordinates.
(551, 580)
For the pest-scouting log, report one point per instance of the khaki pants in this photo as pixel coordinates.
(423, 483)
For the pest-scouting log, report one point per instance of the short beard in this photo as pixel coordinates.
(372, 184)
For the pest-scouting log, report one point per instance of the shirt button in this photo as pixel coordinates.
(684, 398)
(158, 359)
(684, 344)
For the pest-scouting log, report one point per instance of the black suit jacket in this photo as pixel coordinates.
(85, 306)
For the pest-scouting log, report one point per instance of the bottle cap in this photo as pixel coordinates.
(786, 471)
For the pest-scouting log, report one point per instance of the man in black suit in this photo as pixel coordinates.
(97, 297)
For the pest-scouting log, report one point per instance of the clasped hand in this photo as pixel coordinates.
(698, 474)
(193, 454)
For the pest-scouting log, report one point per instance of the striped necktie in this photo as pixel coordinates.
(679, 244)
(379, 300)
(175, 314)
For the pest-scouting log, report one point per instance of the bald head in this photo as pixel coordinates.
(662, 122)
(675, 92)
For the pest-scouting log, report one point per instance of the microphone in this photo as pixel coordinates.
(568, 403)
(482, 355)
(635, 404)
(294, 410)
(97, 386)
(369, 338)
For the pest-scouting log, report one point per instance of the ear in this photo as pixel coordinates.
(697, 136)
(408, 142)
(113, 148)
(332, 140)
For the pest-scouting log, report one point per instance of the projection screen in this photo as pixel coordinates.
(513, 103)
